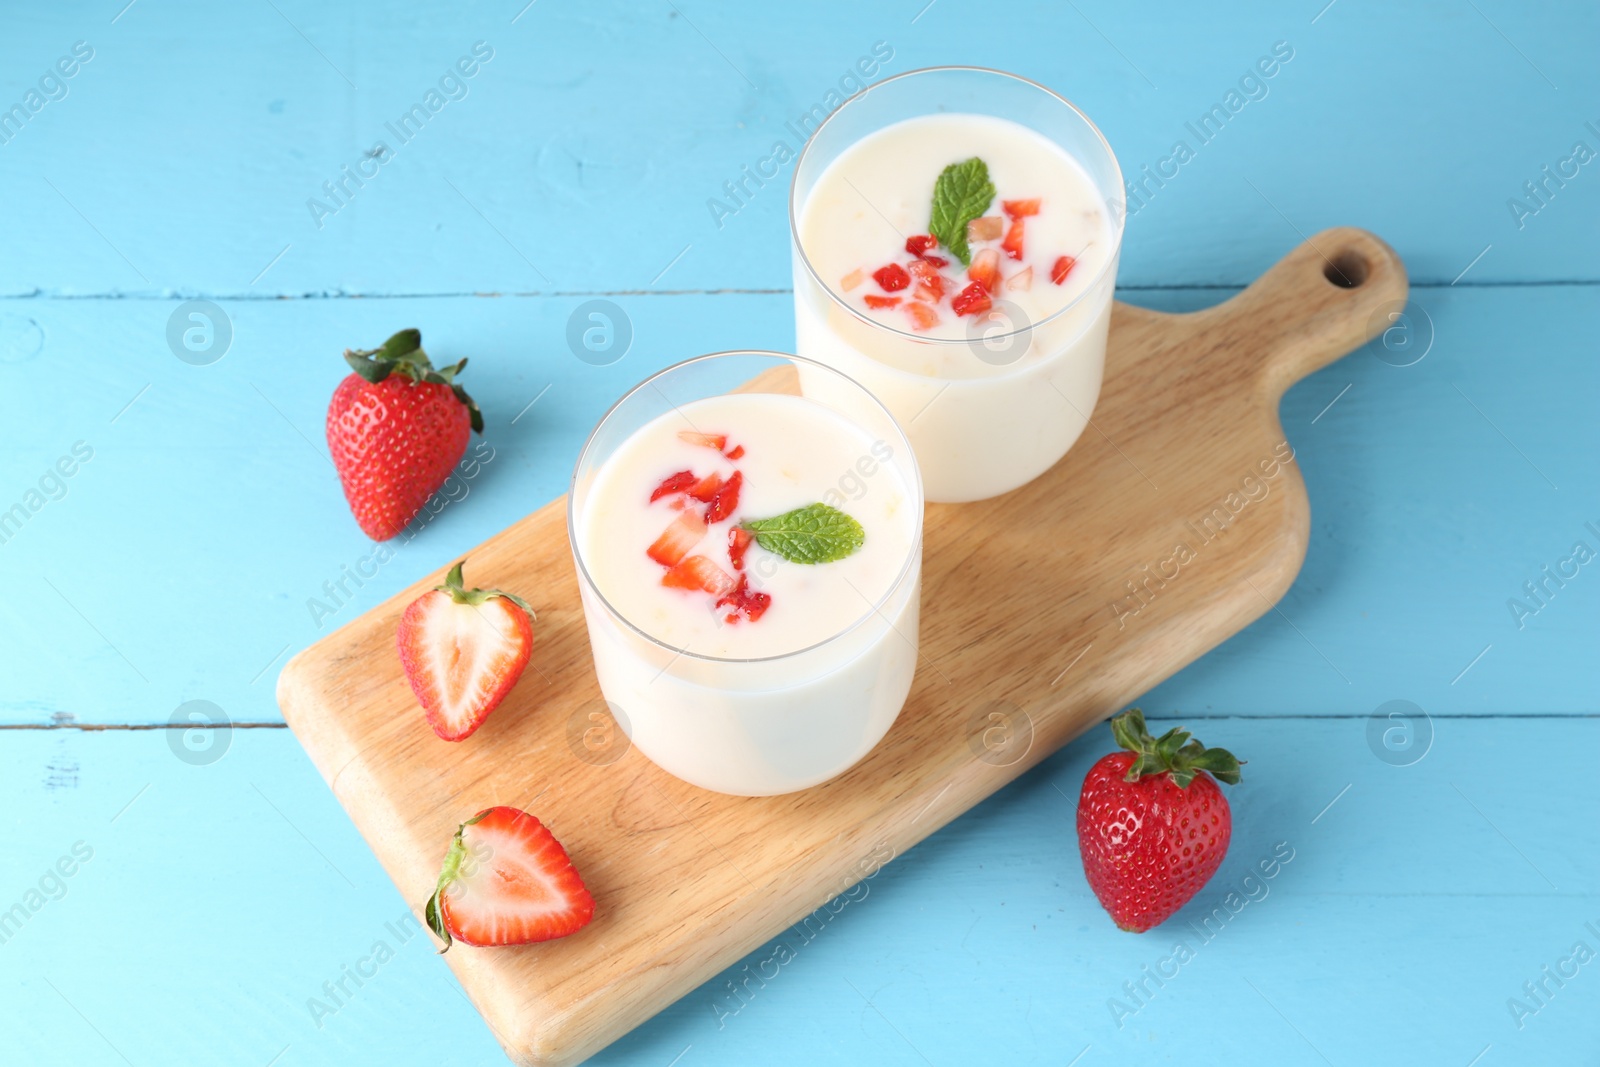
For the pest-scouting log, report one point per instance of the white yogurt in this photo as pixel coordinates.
(983, 417)
(745, 705)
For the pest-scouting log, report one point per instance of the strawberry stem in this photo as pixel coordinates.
(403, 353)
(1172, 753)
(456, 587)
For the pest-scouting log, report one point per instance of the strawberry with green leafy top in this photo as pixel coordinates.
(1152, 825)
(507, 881)
(396, 429)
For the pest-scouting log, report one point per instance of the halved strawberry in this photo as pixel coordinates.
(923, 316)
(507, 881)
(718, 441)
(1062, 267)
(1020, 209)
(920, 243)
(725, 499)
(674, 483)
(738, 544)
(985, 269)
(706, 487)
(1021, 281)
(742, 599)
(1012, 245)
(462, 651)
(892, 278)
(929, 278)
(698, 572)
(677, 539)
(973, 300)
(875, 301)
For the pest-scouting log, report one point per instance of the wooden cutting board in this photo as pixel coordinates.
(1177, 519)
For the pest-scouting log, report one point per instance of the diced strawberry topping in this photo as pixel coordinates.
(1021, 281)
(923, 316)
(985, 229)
(1063, 267)
(928, 277)
(920, 244)
(851, 280)
(875, 301)
(937, 261)
(742, 599)
(718, 441)
(738, 544)
(1020, 209)
(674, 483)
(892, 278)
(985, 269)
(706, 487)
(698, 572)
(927, 294)
(677, 539)
(725, 499)
(973, 300)
(1012, 245)
(735, 452)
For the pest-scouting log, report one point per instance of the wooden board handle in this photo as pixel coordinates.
(1330, 295)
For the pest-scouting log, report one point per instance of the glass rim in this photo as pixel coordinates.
(1119, 218)
(913, 551)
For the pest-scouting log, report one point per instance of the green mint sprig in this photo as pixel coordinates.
(815, 533)
(962, 193)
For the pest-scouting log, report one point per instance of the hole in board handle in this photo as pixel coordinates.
(1347, 269)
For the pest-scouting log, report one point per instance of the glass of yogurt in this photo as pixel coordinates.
(956, 232)
(750, 565)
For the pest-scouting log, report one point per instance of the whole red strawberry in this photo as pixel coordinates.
(1152, 824)
(396, 429)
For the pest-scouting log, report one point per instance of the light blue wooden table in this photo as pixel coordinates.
(215, 886)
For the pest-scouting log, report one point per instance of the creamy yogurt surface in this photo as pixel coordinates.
(789, 452)
(879, 192)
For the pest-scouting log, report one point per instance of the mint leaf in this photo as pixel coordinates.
(962, 193)
(815, 533)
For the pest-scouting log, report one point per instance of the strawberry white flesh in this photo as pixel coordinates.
(681, 535)
(462, 654)
(507, 881)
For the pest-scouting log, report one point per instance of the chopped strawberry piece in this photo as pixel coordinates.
(920, 244)
(973, 300)
(742, 599)
(923, 317)
(725, 499)
(1020, 209)
(927, 294)
(674, 483)
(698, 572)
(735, 452)
(1012, 245)
(677, 539)
(1021, 281)
(851, 280)
(928, 277)
(986, 228)
(985, 269)
(738, 544)
(718, 441)
(875, 301)
(892, 278)
(937, 261)
(706, 487)
(1062, 268)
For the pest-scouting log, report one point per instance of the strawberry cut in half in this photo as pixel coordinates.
(463, 650)
(681, 535)
(507, 881)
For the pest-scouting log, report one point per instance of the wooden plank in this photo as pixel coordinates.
(1186, 426)
(583, 155)
(982, 945)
